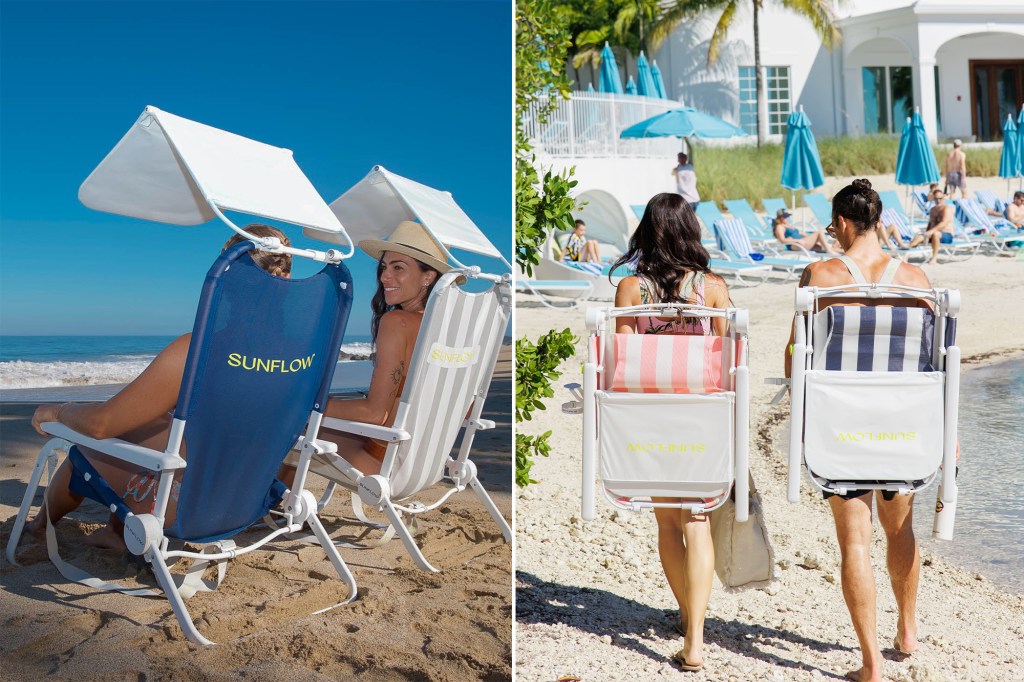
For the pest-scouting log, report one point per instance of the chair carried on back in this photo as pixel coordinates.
(451, 368)
(875, 391)
(259, 365)
(666, 415)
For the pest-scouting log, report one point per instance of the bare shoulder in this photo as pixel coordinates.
(627, 292)
(716, 291)
(399, 322)
(912, 276)
(825, 273)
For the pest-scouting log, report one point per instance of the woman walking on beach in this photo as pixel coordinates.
(671, 266)
(856, 209)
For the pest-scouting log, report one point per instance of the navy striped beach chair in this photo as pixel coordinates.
(875, 390)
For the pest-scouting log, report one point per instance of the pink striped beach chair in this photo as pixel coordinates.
(665, 415)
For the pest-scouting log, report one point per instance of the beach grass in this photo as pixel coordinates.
(752, 173)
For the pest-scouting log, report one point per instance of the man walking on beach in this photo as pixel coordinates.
(686, 180)
(940, 226)
(956, 170)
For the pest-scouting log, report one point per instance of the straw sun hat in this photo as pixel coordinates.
(412, 240)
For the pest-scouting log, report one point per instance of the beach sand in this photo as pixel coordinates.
(592, 600)
(407, 624)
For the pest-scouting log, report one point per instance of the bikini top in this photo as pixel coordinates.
(692, 287)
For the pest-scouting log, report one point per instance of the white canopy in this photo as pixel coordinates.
(374, 206)
(170, 170)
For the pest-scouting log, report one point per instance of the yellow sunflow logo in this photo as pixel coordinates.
(665, 448)
(861, 436)
(449, 356)
(270, 365)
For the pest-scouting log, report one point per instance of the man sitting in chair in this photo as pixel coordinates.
(940, 226)
(1015, 210)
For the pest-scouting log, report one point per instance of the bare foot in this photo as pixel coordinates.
(863, 675)
(36, 528)
(106, 538)
(933, 261)
(905, 644)
(692, 651)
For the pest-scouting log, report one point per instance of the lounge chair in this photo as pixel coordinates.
(665, 415)
(638, 210)
(708, 213)
(960, 247)
(259, 365)
(445, 390)
(734, 241)
(821, 208)
(571, 291)
(999, 234)
(989, 200)
(450, 372)
(875, 392)
(760, 235)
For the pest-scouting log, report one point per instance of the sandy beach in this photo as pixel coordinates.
(592, 601)
(407, 624)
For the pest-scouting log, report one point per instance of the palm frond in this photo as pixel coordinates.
(721, 29)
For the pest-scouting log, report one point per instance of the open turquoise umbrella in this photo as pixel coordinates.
(645, 81)
(801, 165)
(659, 82)
(610, 81)
(1009, 161)
(684, 122)
(630, 86)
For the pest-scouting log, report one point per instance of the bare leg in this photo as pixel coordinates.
(700, 567)
(591, 252)
(672, 552)
(896, 517)
(59, 498)
(853, 530)
(351, 450)
(936, 240)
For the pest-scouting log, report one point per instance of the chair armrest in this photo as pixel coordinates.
(385, 433)
(153, 460)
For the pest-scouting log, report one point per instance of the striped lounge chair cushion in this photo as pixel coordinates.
(874, 339)
(667, 363)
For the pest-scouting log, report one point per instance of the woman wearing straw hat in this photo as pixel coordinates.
(409, 263)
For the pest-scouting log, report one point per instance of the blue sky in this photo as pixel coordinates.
(422, 88)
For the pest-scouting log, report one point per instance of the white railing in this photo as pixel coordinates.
(589, 124)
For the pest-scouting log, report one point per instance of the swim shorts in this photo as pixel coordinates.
(946, 238)
(954, 179)
(886, 494)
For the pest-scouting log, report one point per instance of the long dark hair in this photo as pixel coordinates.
(666, 246)
(858, 204)
(379, 306)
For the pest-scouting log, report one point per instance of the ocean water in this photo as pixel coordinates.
(50, 361)
(989, 533)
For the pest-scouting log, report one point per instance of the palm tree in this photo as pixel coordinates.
(818, 12)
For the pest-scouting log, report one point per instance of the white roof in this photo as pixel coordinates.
(169, 169)
(373, 207)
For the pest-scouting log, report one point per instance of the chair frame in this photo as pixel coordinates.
(601, 323)
(946, 359)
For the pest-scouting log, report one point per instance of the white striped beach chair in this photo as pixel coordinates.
(989, 199)
(998, 234)
(665, 415)
(875, 392)
(445, 389)
(960, 248)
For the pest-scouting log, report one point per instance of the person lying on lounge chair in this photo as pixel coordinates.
(580, 249)
(889, 235)
(140, 413)
(1015, 210)
(785, 233)
(409, 265)
(672, 266)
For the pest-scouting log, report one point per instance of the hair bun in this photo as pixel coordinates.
(862, 185)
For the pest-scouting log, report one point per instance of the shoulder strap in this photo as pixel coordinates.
(890, 271)
(858, 276)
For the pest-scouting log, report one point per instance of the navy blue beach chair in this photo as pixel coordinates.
(259, 367)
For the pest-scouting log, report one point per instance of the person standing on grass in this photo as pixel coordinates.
(956, 170)
(686, 180)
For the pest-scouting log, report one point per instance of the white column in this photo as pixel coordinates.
(924, 94)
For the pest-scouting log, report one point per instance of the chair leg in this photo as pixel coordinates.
(406, 536)
(47, 454)
(339, 564)
(163, 577)
(478, 488)
(326, 497)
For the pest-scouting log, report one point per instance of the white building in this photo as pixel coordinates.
(961, 64)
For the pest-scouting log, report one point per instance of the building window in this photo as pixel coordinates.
(888, 97)
(776, 79)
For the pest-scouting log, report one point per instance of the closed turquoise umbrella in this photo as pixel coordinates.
(610, 81)
(801, 164)
(915, 161)
(1020, 145)
(659, 82)
(645, 81)
(630, 86)
(1009, 159)
(684, 122)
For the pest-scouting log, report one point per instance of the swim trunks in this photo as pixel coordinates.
(886, 494)
(954, 179)
(946, 238)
